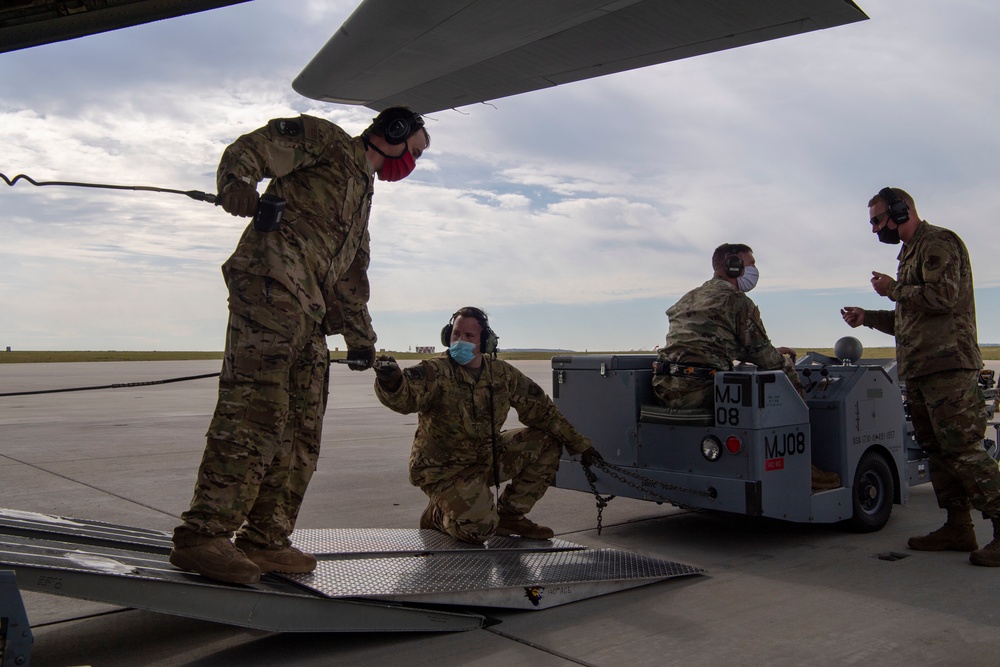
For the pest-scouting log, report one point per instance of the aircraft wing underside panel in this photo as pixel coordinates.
(449, 53)
(28, 23)
(367, 580)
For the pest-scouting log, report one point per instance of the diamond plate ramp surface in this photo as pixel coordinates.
(499, 579)
(367, 580)
(384, 541)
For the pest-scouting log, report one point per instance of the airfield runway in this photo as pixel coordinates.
(775, 593)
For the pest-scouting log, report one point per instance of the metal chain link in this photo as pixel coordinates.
(622, 474)
(601, 502)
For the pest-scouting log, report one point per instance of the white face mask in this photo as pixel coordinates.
(748, 280)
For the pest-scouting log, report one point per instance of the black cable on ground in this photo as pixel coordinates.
(125, 385)
(122, 385)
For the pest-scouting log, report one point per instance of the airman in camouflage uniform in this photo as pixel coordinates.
(460, 450)
(937, 352)
(288, 290)
(710, 327)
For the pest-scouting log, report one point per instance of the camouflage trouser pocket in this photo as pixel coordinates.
(947, 410)
(267, 302)
(528, 458)
(266, 377)
(466, 504)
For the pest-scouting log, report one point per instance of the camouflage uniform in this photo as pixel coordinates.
(937, 353)
(288, 290)
(710, 326)
(452, 456)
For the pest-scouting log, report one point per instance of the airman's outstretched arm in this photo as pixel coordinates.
(853, 315)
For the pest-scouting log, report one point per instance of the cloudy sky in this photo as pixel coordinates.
(575, 216)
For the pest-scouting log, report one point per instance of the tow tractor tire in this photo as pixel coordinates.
(871, 495)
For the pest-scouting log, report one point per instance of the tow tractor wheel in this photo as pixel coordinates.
(872, 494)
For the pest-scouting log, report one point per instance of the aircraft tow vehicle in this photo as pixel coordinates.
(752, 454)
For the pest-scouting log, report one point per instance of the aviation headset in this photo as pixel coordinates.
(396, 124)
(898, 210)
(733, 261)
(487, 341)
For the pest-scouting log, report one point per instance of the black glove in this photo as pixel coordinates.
(387, 372)
(590, 456)
(360, 358)
(239, 199)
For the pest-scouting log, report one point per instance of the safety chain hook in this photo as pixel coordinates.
(642, 484)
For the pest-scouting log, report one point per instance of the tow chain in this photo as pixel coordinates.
(601, 502)
(622, 475)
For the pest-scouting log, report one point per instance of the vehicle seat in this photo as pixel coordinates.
(659, 414)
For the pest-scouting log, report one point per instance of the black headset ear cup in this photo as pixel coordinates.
(488, 344)
(446, 335)
(898, 210)
(396, 131)
(396, 125)
(734, 265)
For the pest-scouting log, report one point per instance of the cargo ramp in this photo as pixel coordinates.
(366, 580)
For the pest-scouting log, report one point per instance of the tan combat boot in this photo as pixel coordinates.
(217, 559)
(823, 480)
(523, 526)
(957, 534)
(278, 559)
(989, 556)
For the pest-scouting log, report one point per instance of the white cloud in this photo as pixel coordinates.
(595, 200)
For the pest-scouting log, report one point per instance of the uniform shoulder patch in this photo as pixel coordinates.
(287, 127)
(310, 127)
(420, 372)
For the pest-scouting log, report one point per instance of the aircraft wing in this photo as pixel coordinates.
(440, 54)
(26, 23)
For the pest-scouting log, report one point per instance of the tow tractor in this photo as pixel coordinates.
(753, 453)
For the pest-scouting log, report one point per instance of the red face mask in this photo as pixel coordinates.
(397, 168)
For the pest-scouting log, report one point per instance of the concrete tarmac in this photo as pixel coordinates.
(775, 593)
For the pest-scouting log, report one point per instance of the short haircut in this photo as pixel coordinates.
(723, 251)
(899, 192)
(471, 311)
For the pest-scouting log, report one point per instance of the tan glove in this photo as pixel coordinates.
(239, 199)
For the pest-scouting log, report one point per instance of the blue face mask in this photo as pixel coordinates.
(748, 280)
(462, 351)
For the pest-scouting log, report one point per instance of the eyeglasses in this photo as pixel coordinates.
(875, 221)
